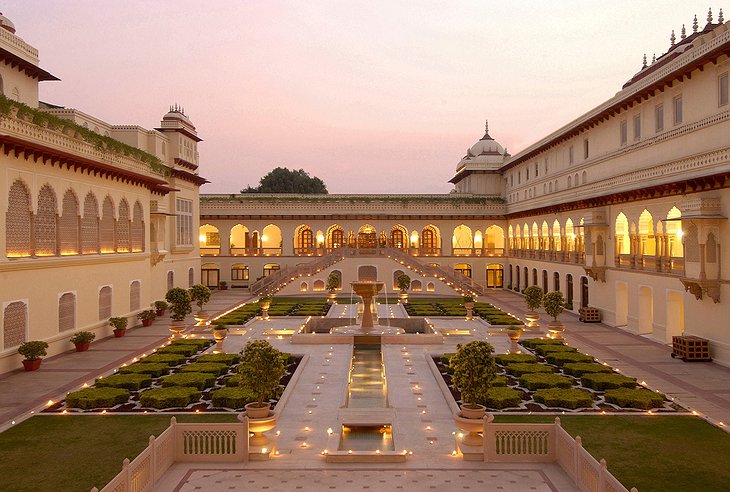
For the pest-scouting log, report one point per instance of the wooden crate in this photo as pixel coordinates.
(589, 315)
(691, 348)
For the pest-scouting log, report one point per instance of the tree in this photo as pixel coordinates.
(553, 303)
(284, 180)
(533, 297)
(474, 370)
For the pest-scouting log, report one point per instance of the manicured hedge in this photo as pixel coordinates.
(228, 359)
(172, 397)
(169, 359)
(531, 343)
(234, 380)
(504, 359)
(184, 349)
(499, 381)
(501, 397)
(198, 380)
(564, 398)
(577, 369)
(561, 358)
(232, 397)
(198, 342)
(548, 349)
(154, 370)
(446, 358)
(635, 398)
(97, 398)
(209, 367)
(536, 381)
(525, 368)
(132, 382)
(604, 381)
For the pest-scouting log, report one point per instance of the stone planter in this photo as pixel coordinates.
(257, 426)
(256, 412)
(219, 335)
(532, 317)
(331, 297)
(514, 334)
(556, 329)
(176, 327)
(201, 315)
(472, 426)
(469, 308)
(473, 411)
(265, 309)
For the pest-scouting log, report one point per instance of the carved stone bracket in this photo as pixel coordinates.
(597, 273)
(698, 288)
(157, 256)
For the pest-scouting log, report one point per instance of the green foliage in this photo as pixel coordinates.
(501, 397)
(132, 382)
(198, 343)
(234, 380)
(118, 322)
(531, 343)
(154, 370)
(524, 368)
(533, 297)
(504, 359)
(200, 294)
(603, 381)
(221, 358)
(147, 314)
(499, 381)
(549, 349)
(284, 180)
(82, 337)
(232, 397)
(635, 398)
(209, 367)
(161, 305)
(33, 350)
(564, 398)
(535, 381)
(198, 380)
(446, 358)
(333, 281)
(474, 369)
(182, 349)
(403, 282)
(261, 369)
(97, 398)
(562, 358)
(180, 303)
(468, 298)
(405, 200)
(163, 358)
(171, 397)
(553, 303)
(578, 369)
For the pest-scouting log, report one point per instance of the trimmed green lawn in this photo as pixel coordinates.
(652, 453)
(76, 453)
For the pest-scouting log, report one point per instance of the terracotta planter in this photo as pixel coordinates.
(147, 322)
(473, 411)
(256, 412)
(32, 365)
(82, 347)
(120, 333)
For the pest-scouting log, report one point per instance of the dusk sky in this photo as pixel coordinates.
(372, 97)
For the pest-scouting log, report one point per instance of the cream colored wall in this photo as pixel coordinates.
(15, 79)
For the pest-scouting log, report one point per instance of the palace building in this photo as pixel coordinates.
(98, 220)
(624, 209)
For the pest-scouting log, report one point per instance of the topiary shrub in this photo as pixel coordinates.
(501, 397)
(154, 370)
(172, 397)
(474, 369)
(169, 359)
(198, 380)
(531, 343)
(228, 359)
(209, 367)
(554, 303)
(533, 297)
(232, 397)
(546, 349)
(261, 369)
(200, 294)
(635, 398)
(97, 398)
(183, 349)
(577, 369)
(561, 358)
(602, 381)
(564, 398)
(527, 367)
(132, 382)
(180, 303)
(504, 359)
(535, 381)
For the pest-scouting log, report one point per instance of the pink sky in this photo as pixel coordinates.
(372, 97)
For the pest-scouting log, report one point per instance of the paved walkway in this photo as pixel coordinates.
(24, 392)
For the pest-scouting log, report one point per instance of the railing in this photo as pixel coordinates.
(482, 252)
(280, 277)
(203, 442)
(253, 251)
(507, 443)
(651, 263)
(449, 276)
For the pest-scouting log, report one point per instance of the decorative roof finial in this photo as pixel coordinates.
(694, 24)
(672, 38)
(720, 17)
(486, 126)
(653, 59)
(644, 63)
(709, 15)
(684, 33)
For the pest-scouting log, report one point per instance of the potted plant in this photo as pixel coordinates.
(180, 306)
(120, 325)
(33, 352)
(161, 307)
(333, 282)
(474, 370)
(403, 282)
(261, 368)
(469, 305)
(265, 304)
(223, 285)
(82, 340)
(533, 299)
(553, 302)
(147, 317)
(219, 332)
(200, 294)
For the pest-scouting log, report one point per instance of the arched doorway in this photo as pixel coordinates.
(367, 237)
(210, 240)
(569, 289)
(584, 292)
(399, 237)
(534, 276)
(210, 274)
(462, 242)
(430, 241)
(303, 241)
(495, 274)
(544, 281)
(556, 281)
(271, 240)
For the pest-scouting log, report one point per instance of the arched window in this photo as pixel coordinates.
(105, 303)
(15, 324)
(416, 286)
(303, 287)
(396, 274)
(45, 222)
(711, 248)
(17, 221)
(304, 241)
(584, 179)
(69, 224)
(556, 281)
(495, 274)
(270, 268)
(90, 225)
(430, 287)
(335, 237)
(122, 228)
(239, 271)
(399, 237)
(337, 274)
(106, 226)
(191, 277)
(135, 295)
(318, 285)
(463, 268)
(67, 312)
(430, 241)
(170, 280)
(137, 228)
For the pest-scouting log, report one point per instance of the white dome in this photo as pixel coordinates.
(6, 23)
(485, 151)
